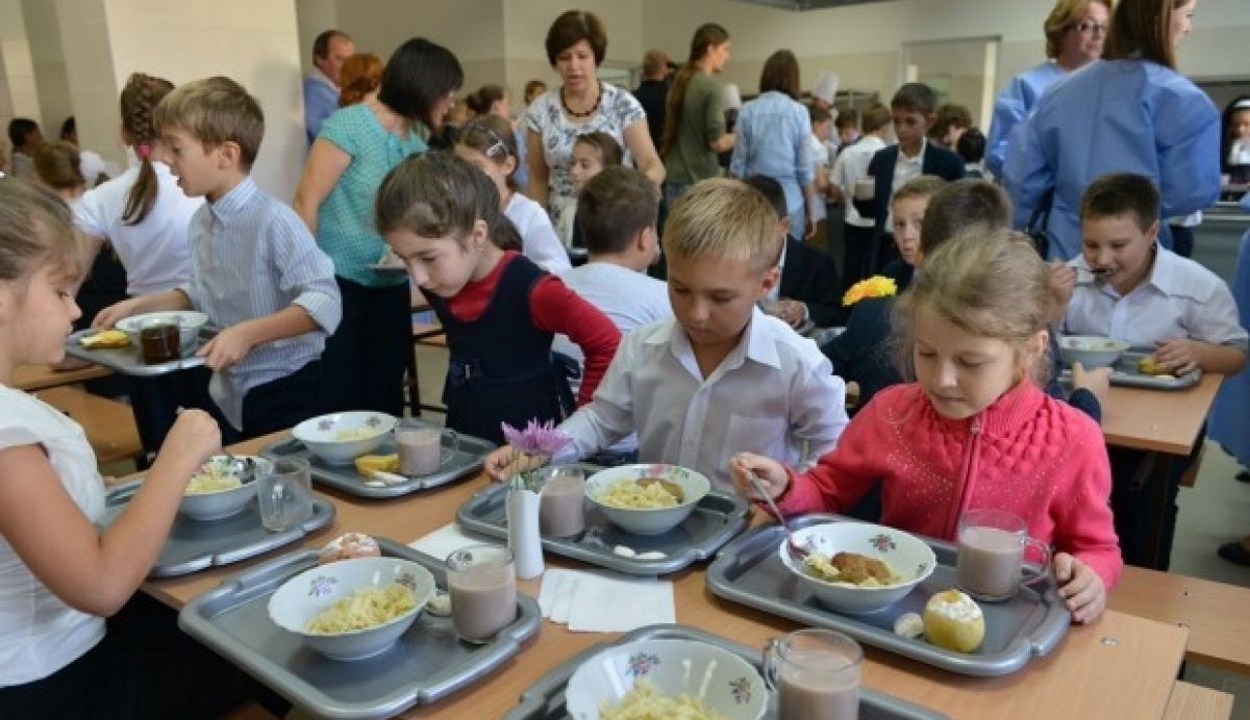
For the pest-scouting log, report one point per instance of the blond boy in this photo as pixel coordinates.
(721, 377)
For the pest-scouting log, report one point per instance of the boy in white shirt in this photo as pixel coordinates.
(1127, 287)
(721, 377)
(851, 165)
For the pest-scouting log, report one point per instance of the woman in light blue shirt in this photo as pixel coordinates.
(772, 139)
(1129, 112)
(1075, 31)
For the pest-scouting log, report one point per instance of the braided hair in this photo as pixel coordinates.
(140, 97)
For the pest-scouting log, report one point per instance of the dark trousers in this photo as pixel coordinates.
(1182, 240)
(145, 668)
(279, 404)
(155, 401)
(364, 361)
(857, 248)
(1140, 481)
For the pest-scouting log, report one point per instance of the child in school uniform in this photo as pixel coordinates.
(74, 643)
(256, 270)
(441, 215)
(914, 113)
(851, 165)
(487, 141)
(592, 152)
(976, 323)
(721, 377)
(1130, 288)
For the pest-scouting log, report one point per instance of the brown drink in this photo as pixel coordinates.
(811, 694)
(989, 561)
(481, 580)
(159, 342)
(561, 512)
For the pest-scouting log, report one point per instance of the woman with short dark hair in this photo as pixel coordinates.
(358, 145)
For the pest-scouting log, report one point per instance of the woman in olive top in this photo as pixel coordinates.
(694, 120)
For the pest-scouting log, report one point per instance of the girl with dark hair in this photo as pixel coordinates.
(694, 118)
(501, 311)
(358, 145)
(1132, 112)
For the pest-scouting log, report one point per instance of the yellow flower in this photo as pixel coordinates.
(875, 286)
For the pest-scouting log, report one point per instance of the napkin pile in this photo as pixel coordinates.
(603, 601)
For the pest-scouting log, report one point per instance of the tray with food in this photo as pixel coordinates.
(358, 453)
(914, 616)
(632, 540)
(549, 697)
(1130, 367)
(216, 527)
(145, 345)
(280, 622)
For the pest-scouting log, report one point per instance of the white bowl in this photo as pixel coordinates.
(189, 323)
(649, 521)
(302, 597)
(907, 555)
(333, 437)
(1090, 351)
(723, 681)
(222, 503)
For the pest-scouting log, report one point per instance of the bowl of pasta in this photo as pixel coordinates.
(666, 678)
(340, 438)
(1090, 351)
(217, 489)
(647, 499)
(856, 567)
(353, 609)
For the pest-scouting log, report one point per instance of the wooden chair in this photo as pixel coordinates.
(422, 334)
(109, 424)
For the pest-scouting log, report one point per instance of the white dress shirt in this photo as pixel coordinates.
(774, 394)
(1179, 299)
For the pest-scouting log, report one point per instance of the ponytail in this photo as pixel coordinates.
(705, 37)
(139, 99)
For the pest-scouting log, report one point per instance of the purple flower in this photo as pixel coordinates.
(536, 439)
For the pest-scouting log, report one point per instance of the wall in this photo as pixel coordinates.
(863, 43)
(19, 96)
(48, 62)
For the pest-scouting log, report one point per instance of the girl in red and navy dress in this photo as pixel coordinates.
(500, 310)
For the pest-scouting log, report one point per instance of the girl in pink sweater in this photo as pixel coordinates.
(974, 430)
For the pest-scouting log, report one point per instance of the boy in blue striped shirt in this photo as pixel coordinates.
(256, 270)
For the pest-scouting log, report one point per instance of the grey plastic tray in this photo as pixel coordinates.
(427, 664)
(1030, 624)
(544, 700)
(1125, 373)
(715, 521)
(465, 461)
(129, 361)
(193, 545)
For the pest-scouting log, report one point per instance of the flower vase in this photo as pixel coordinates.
(523, 536)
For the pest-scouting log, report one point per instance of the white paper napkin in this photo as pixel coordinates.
(448, 539)
(605, 602)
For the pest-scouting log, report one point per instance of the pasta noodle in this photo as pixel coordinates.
(363, 609)
(213, 477)
(631, 495)
(644, 702)
(354, 434)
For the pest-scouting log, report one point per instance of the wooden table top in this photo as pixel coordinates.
(38, 377)
(1122, 666)
(1219, 635)
(1166, 421)
(1194, 702)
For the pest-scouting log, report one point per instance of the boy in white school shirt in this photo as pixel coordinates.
(722, 377)
(256, 271)
(1128, 287)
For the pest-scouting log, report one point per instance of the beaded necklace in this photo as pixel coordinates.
(579, 115)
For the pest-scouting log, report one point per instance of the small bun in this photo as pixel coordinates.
(347, 546)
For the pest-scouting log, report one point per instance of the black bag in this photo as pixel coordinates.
(1036, 227)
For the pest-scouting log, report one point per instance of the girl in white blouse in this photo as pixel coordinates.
(60, 573)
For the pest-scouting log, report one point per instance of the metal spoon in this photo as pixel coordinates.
(798, 550)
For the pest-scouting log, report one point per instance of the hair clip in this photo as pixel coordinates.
(1242, 104)
(144, 150)
(497, 145)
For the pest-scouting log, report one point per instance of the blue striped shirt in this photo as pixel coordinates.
(772, 140)
(252, 256)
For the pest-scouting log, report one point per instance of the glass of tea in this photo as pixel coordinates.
(159, 341)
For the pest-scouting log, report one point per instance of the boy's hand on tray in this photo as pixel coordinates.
(1080, 587)
(1178, 356)
(227, 348)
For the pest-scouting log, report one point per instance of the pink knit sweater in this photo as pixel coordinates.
(1027, 453)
